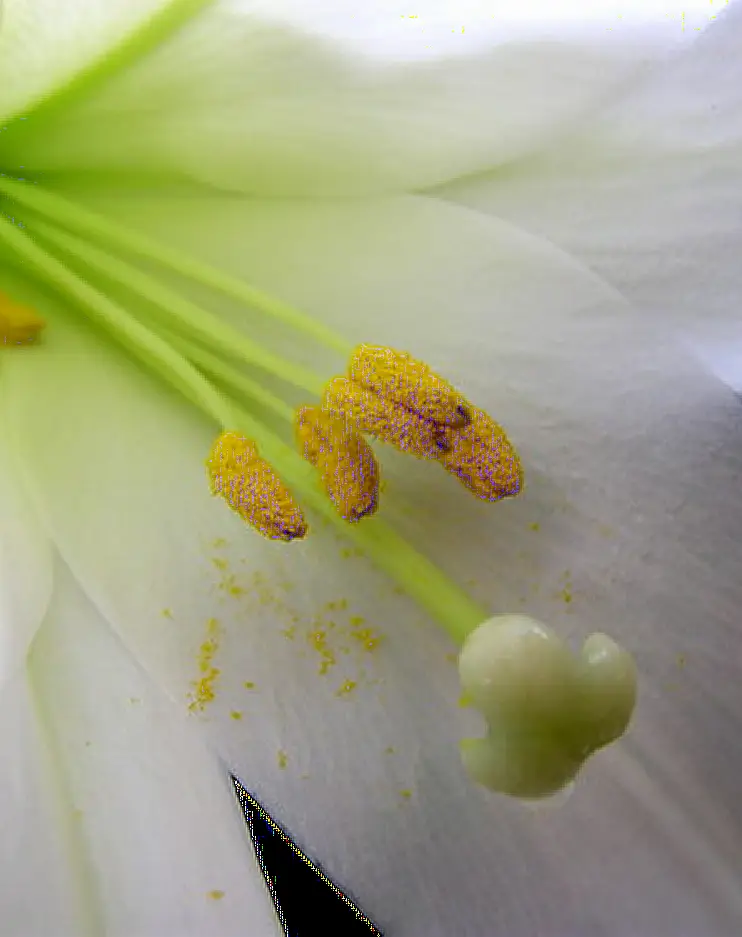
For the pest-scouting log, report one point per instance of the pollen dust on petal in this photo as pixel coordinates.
(347, 688)
(336, 637)
(204, 687)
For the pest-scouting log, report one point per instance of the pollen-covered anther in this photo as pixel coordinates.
(378, 416)
(345, 461)
(409, 383)
(19, 325)
(252, 489)
(483, 459)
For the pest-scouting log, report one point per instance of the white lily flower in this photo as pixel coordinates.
(165, 157)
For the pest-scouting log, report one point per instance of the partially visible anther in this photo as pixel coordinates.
(347, 466)
(252, 489)
(483, 458)
(401, 379)
(370, 413)
(19, 325)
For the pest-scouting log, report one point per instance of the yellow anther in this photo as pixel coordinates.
(483, 458)
(252, 489)
(402, 380)
(19, 325)
(348, 468)
(370, 413)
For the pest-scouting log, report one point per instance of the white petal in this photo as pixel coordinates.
(157, 826)
(40, 892)
(632, 460)
(25, 568)
(650, 194)
(461, 27)
(257, 106)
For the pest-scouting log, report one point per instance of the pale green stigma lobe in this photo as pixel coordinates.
(546, 710)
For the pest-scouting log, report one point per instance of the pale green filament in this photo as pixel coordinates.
(156, 353)
(229, 377)
(181, 314)
(88, 223)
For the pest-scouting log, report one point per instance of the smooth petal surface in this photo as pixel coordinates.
(243, 100)
(629, 525)
(25, 568)
(160, 844)
(649, 194)
(39, 888)
(446, 27)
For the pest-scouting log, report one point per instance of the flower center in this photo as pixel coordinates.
(386, 394)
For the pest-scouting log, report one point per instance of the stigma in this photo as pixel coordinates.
(252, 489)
(19, 325)
(348, 469)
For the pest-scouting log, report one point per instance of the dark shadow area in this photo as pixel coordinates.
(307, 902)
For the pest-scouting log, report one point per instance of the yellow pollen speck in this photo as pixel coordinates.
(229, 585)
(236, 715)
(19, 325)
(367, 637)
(252, 489)
(389, 750)
(203, 688)
(535, 526)
(318, 640)
(249, 685)
(283, 759)
(682, 661)
(215, 895)
(406, 794)
(289, 633)
(134, 699)
(483, 459)
(345, 461)
(167, 613)
(219, 562)
(346, 688)
(397, 377)
(219, 543)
